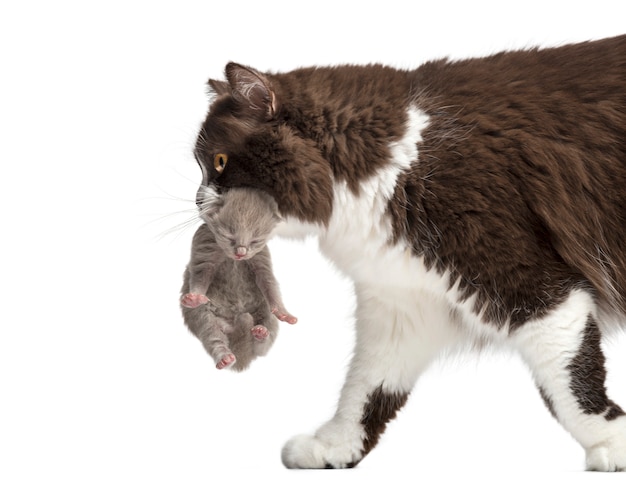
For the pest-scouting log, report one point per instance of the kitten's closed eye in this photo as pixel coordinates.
(224, 232)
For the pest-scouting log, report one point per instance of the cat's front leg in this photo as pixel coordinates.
(393, 347)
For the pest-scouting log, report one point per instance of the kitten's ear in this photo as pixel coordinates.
(253, 89)
(274, 208)
(219, 87)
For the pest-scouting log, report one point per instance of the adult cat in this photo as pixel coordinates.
(471, 202)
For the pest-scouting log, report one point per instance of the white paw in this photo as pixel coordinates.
(310, 452)
(607, 457)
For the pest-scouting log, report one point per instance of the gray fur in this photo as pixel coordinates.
(242, 293)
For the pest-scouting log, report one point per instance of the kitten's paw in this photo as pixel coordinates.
(310, 452)
(260, 333)
(284, 316)
(226, 361)
(193, 300)
(608, 456)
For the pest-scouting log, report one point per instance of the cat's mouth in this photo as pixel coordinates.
(241, 253)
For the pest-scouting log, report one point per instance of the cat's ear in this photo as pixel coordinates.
(219, 87)
(253, 89)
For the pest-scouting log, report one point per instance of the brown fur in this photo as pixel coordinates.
(518, 191)
(525, 171)
(379, 410)
(531, 198)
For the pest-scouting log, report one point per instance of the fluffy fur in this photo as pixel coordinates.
(230, 297)
(471, 202)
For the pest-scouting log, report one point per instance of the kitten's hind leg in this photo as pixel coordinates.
(247, 341)
(260, 333)
(564, 353)
(216, 342)
(227, 360)
(264, 332)
(245, 323)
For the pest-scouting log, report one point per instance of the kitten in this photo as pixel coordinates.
(230, 297)
(472, 202)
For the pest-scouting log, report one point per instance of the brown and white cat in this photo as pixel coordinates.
(472, 202)
(230, 298)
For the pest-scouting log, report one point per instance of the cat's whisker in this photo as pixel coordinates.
(192, 218)
(500, 223)
(217, 259)
(169, 197)
(180, 228)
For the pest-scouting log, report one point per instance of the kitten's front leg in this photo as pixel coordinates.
(392, 348)
(193, 300)
(282, 315)
(205, 257)
(267, 283)
(199, 280)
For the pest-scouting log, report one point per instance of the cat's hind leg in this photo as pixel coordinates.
(396, 339)
(563, 350)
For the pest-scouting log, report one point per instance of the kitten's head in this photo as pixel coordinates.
(242, 222)
(245, 141)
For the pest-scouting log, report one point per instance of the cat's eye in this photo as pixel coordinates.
(219, 162)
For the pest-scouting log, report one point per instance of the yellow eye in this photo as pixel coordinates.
(219, 162)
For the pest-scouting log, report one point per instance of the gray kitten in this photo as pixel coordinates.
(230, 297)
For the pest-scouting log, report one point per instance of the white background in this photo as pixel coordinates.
(101, 386)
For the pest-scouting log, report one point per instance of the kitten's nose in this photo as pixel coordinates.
(240, 252)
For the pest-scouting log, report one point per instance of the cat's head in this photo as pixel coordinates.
(245, 141)
(242, 221)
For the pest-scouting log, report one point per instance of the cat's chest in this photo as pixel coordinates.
(402, 281)
(234, 284)
(361, 242)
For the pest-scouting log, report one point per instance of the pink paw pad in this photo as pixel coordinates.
(226, 361)
(193, 300)
(260, 332)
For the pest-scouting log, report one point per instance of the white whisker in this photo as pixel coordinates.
(178, 229)
(189, 215)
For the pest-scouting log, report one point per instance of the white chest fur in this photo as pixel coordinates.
(358, 241)
(358, 236)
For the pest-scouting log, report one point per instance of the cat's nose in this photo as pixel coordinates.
(240, 252)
